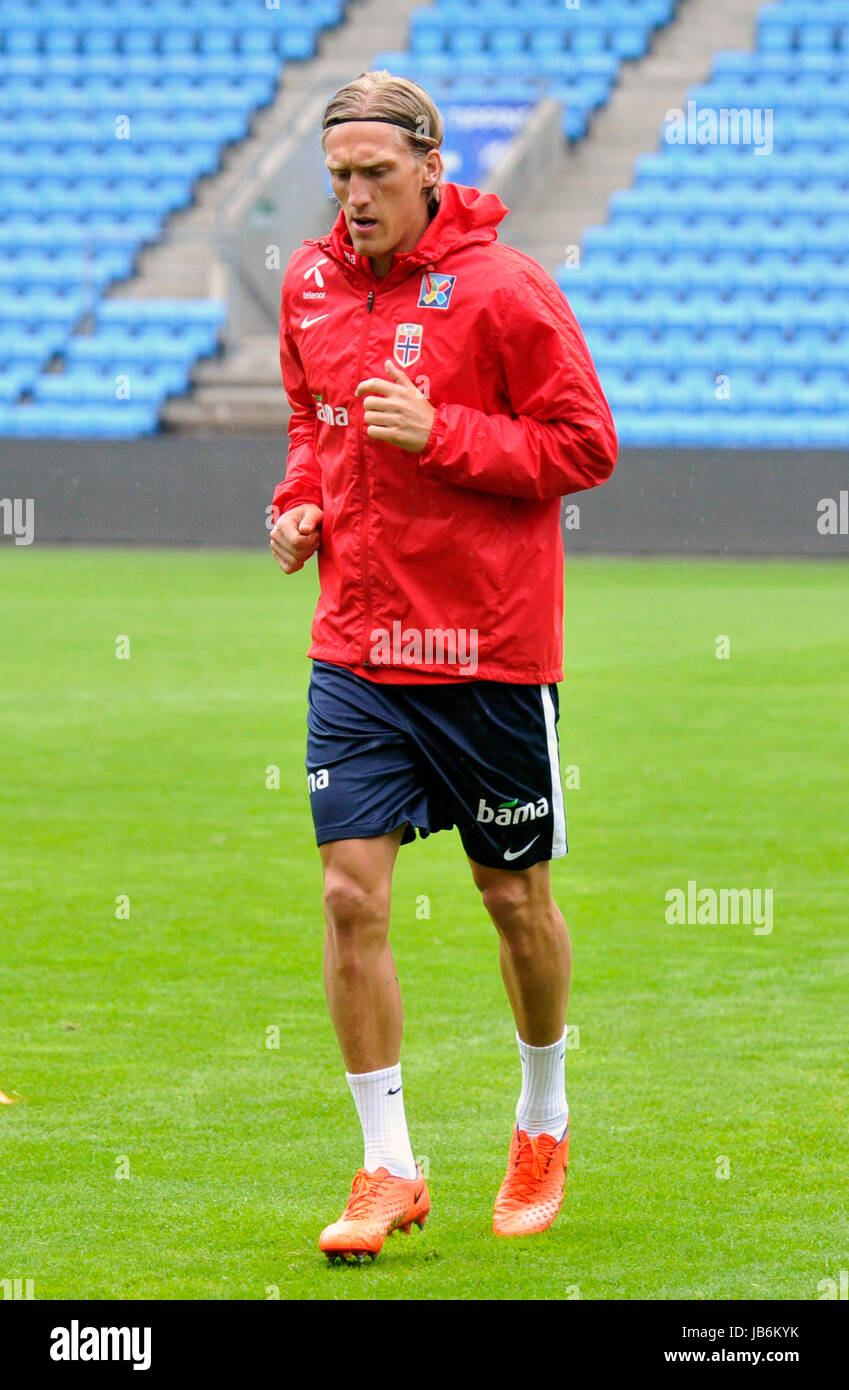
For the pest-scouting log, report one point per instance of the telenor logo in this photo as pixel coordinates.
(77, 1343)
(511, 812)
(315, 274)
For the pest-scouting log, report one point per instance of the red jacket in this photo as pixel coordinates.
(464, 537)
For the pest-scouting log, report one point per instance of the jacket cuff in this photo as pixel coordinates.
(431, 451)
(282, 504)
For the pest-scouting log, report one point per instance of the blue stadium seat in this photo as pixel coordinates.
(573, 53)
(77, 203)
(723, 262)
(62, 420)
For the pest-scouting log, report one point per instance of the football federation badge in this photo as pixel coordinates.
(408, 343)
(436, 291)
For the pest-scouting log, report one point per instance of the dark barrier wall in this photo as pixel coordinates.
(174, 490)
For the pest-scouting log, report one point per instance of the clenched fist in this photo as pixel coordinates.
(295, 536)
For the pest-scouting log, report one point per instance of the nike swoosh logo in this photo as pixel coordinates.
(394, 1091)
(517, 854)
(418, 1196)
(308, 322)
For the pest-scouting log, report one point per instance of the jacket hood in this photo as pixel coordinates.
(465, 217)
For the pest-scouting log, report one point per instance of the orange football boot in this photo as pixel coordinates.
(532, 1191)
(379, 1204)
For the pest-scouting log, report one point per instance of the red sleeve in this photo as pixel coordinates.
(560, 437)
(302, 482)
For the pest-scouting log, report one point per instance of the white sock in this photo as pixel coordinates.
(380, 1105)
(542, 1107)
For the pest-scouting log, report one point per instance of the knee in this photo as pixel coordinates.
(353, 909)
(526, 917)
(509, 902)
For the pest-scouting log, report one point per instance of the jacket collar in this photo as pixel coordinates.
(465, 217)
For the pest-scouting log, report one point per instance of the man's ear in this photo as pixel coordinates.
(434, 179)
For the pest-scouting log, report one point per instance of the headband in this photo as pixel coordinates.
(404, 122)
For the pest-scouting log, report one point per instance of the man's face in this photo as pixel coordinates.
(379, 185)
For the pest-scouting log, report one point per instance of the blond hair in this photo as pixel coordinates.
(392, 98)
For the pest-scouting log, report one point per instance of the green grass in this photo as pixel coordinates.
(145, 1038)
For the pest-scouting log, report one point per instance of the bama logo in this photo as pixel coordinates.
(317, 781)
(331, 414)
(511, 812)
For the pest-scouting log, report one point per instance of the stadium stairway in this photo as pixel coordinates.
(107, 122)
(241, 389)
(576, 195)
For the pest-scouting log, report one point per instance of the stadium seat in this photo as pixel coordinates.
(77, 203)
(721, 262)
(574, 53)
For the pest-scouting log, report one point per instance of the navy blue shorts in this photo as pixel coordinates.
(481, 755)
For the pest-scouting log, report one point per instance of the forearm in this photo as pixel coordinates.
(519, 456)
(302, 483)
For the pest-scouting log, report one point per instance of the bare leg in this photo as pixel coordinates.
(534, 947)
(360, 982)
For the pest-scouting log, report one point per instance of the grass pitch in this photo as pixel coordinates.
(162, 1146)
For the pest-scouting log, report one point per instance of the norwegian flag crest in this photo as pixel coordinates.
(408, 343)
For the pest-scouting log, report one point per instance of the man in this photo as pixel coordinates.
(443, 401)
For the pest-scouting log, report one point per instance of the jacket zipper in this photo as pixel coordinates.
(324, 244)
(366, 497)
